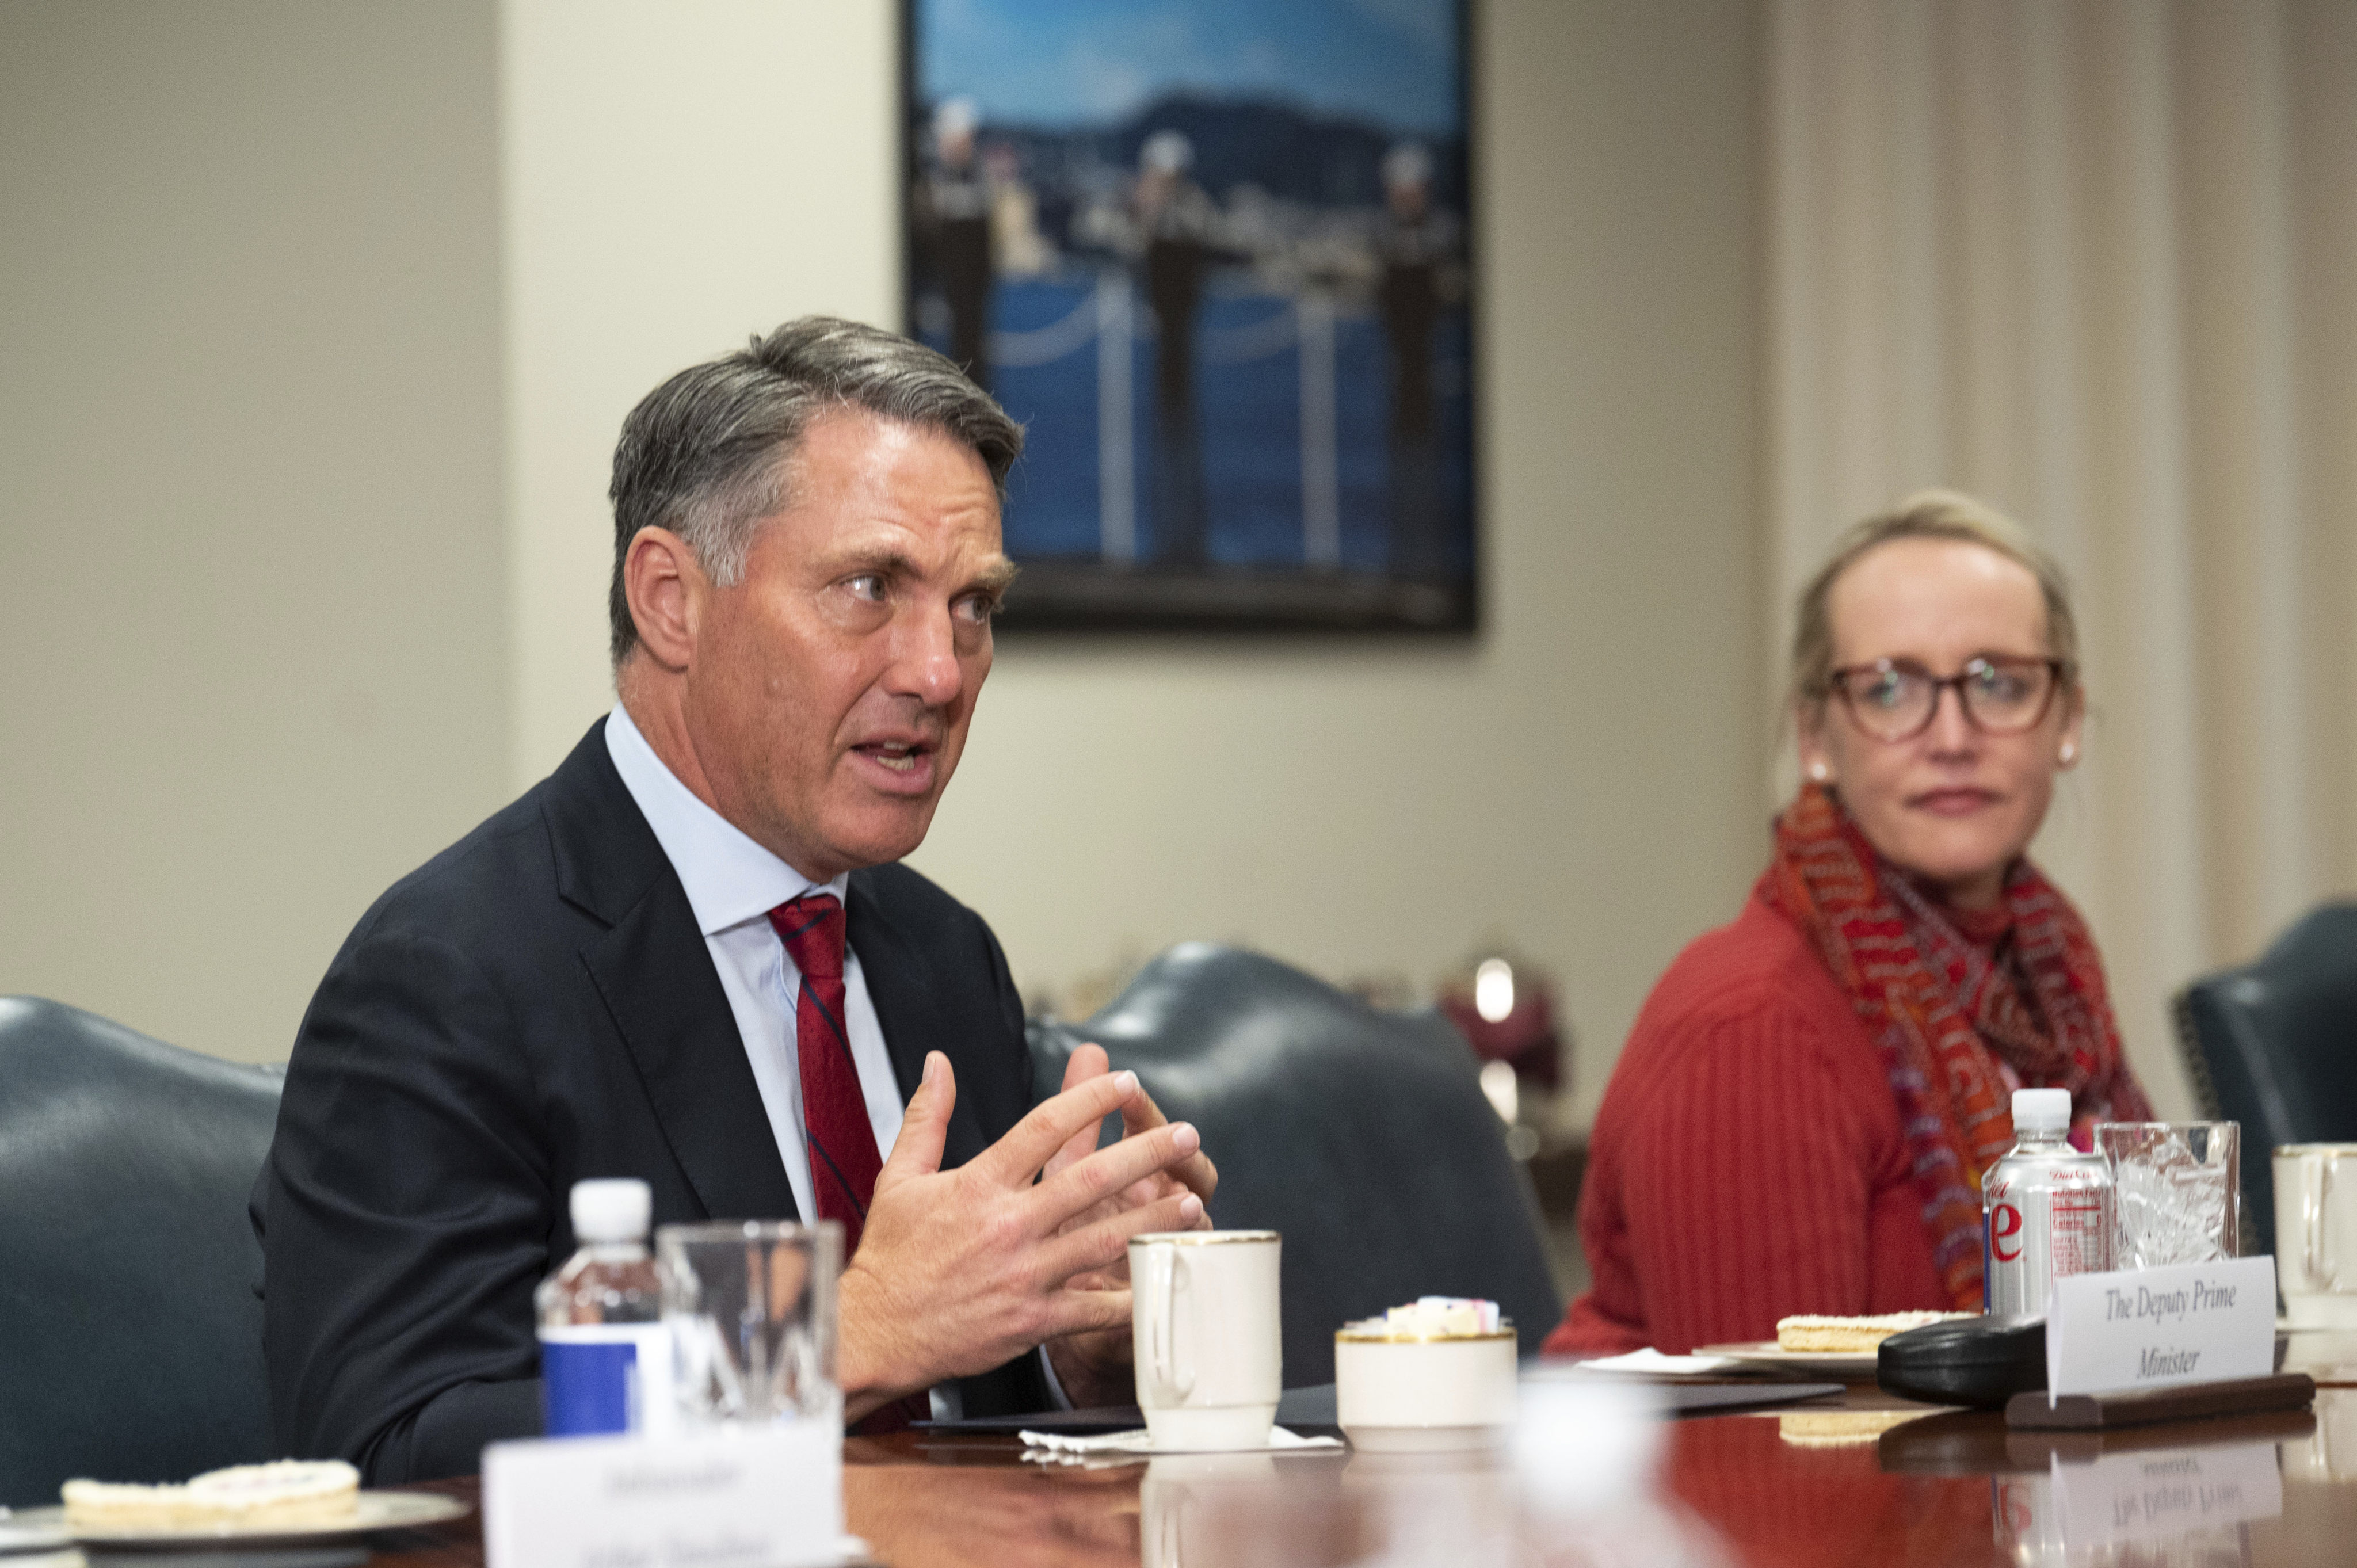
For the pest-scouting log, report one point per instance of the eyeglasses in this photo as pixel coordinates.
(1896, 699)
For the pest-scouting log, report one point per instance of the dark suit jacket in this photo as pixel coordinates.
(533, 1006)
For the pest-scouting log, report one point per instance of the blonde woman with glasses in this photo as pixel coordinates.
(1801, 1118)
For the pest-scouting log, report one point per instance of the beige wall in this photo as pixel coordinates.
(1583, 780)
(250, 535)
(335, 584)
(677, 177)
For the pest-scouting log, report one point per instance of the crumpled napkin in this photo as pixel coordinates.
(1052, 1448)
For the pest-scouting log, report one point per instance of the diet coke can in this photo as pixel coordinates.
(2046, 1209)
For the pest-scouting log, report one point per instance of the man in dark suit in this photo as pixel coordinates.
(690, 956)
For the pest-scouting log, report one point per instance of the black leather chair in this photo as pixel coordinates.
(1363, 1135)
(130, 1329)
(2274, 1046)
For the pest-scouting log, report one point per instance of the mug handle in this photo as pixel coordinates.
(1181, 1277)
(1160, 1261)
(2316, 1256)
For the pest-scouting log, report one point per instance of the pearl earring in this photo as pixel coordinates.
(2070, 754)
(1819, 772)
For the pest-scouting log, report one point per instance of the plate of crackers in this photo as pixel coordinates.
(281, 1503)
(1841, 1348)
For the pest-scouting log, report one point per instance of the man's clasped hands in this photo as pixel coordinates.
(1026, 1244)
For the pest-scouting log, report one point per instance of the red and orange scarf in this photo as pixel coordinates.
(1946, 1014)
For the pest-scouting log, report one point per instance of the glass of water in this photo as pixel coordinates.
(2177, 1191)
(750, 1304)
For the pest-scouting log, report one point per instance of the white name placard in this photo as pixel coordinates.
(2154, 1329)
(766, 1497)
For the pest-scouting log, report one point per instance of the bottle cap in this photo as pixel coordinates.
(2041, 1111)
(612, 1211)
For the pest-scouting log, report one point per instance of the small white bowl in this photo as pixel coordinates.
(1394, 1394)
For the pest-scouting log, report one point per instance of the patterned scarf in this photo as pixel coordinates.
(1952, 1019)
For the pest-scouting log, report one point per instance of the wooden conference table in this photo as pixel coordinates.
(1772, 1488)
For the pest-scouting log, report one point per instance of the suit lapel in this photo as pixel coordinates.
(901, 984)
(654, 975)
(656, 978)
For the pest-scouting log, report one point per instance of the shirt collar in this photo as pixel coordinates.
(730, 879)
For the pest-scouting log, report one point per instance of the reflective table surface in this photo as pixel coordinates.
(1860, 1479)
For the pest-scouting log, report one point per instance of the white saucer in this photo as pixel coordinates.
(370, 1511)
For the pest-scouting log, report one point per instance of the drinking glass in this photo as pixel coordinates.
(751, 1309)
(2175, 1191)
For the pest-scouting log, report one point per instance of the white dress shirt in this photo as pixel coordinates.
(732, 885)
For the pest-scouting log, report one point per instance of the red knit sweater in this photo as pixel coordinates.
(1747, 1162)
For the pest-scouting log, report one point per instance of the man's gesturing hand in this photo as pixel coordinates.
(1096, 1366)
(958, 1271)
(1195, 1173)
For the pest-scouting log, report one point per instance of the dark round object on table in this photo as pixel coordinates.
(1976, 1361)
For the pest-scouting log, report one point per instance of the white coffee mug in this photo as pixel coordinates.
(1208, 1338)
(2316, 1233)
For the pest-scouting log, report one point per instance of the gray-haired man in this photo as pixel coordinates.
(690, 956)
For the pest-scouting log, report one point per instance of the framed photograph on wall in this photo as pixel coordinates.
(1214, 255)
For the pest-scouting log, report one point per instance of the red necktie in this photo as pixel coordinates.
(843, 1158)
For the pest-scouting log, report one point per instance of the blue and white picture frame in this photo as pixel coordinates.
(1214, 255)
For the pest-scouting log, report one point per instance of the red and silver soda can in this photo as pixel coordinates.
(2046, 1209)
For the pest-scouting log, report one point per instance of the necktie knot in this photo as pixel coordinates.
(812, 928)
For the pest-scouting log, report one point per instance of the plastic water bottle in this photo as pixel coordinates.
(605, 1352)
(2045, 1208)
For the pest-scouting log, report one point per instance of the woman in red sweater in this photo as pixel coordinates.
(1801, 1117)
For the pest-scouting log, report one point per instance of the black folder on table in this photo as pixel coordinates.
(1310, 1411)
